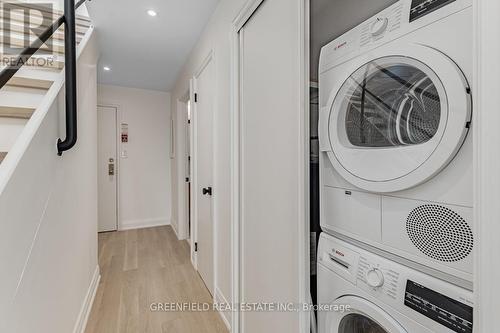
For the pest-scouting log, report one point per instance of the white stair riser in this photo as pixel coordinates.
(19, 27)
(35, 73)
(55, 48)
(21, 97)
(37, 20)
(32, 37)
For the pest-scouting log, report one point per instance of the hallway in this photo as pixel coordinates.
(144, 267)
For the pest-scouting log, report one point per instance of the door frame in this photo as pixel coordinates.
(192, 235)
(303, 254)
(486, 164)
(181, 157)
(118, 158)
(210, 58)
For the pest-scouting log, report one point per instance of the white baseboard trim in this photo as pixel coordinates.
(173, 225)
(83, 316)
(141, 224)
(220, 299)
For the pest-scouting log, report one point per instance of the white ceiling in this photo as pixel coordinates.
(332, 18)
(143, 51)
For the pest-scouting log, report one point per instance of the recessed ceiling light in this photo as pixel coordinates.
(106, 68)
(152, 13)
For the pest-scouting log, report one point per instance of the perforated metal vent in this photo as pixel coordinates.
(440, 233)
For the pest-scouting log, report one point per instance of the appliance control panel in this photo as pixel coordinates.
(430, 301)
(389, 283)
(393, 23)
(377, 278)
(376, 28)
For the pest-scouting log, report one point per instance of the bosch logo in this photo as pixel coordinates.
(339, 253)
(340, 46)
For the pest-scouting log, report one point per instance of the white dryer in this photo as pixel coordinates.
(359, 292)
(395, 136)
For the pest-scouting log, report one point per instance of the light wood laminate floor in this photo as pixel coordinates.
(141, 267)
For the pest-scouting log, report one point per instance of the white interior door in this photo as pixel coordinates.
(204, 173)
(107, 179)
(272, 164)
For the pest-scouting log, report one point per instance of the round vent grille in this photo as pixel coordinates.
(440, 233)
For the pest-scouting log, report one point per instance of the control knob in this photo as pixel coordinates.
(379, 26)
(375, 278)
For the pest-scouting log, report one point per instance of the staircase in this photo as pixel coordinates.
(24, 93)
(46, 200)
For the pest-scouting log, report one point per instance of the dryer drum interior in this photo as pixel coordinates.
(391, 105)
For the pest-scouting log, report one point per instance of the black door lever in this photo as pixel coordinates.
(207, 190)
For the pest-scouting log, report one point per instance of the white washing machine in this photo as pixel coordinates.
(395, 136)
(359, 292)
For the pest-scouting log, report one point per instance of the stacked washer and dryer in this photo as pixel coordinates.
(396, 172)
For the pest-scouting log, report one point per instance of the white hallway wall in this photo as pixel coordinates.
(216, 37)
(48, 249)
(145, 194)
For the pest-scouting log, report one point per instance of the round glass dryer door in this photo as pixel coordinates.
(395, 122)
(361, 317)
(391, 104)
(358, 323)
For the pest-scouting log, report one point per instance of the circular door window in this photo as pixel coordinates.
(357, 323)
(392, 105)
(362, 317)
(395, 121)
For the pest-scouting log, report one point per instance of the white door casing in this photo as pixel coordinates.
(107, 168)
(192, 172)
(486, 165)
(187, 170)
(203, 190)
(182, 153)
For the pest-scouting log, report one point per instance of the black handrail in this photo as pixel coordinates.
(70, 73)
(69, 19)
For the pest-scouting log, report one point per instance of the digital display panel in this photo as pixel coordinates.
(448, 312)
(420, 8)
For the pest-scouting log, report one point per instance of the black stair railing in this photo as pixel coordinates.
(69, 20)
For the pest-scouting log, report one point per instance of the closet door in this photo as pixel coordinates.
(273, 159)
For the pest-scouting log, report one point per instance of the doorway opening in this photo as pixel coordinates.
(108, 162)
(195, 171)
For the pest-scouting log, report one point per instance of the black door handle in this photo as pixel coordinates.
(207, 190)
